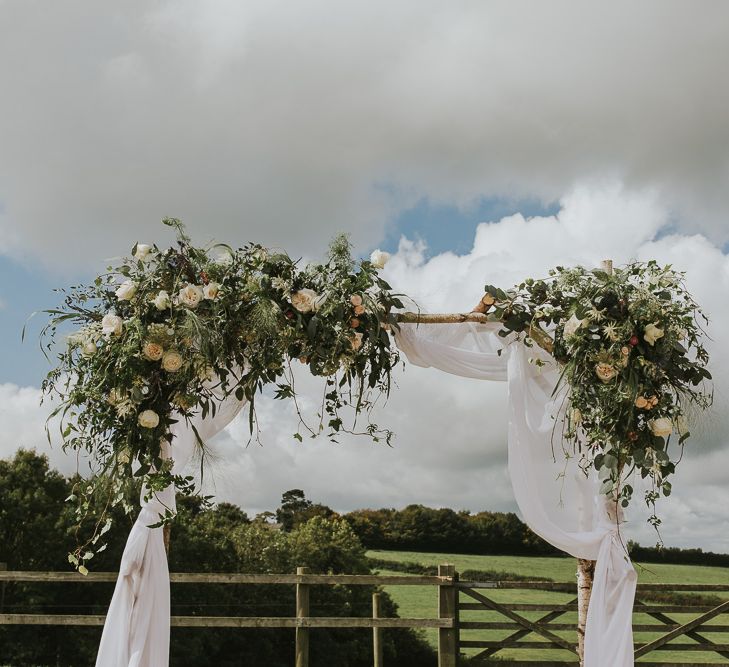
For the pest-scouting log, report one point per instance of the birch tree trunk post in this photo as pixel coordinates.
(586, 568)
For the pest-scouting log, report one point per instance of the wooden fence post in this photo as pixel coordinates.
(302, 611)
(377, 648)
(3, 568)
(448, 608)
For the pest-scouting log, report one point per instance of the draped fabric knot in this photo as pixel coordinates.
(557, 500)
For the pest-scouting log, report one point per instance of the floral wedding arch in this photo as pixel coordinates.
(602, 367)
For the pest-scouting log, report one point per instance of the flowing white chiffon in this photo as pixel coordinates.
(556, 499)
(137, 627)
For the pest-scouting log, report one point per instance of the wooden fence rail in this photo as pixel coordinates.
(523, 626)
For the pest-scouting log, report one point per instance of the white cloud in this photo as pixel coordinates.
(285, 122)
(450, 448)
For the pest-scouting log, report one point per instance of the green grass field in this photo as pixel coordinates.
(421, 602)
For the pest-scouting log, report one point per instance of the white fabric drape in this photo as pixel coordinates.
(557, 501)
(137, 627)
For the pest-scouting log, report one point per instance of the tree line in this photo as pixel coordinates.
(34, 535)
(420, 528)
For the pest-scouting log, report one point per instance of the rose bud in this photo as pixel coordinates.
(634, 340)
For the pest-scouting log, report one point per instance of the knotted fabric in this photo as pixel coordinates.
(137, 627)
(557, 500)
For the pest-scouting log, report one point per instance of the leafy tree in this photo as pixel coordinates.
(295, 510)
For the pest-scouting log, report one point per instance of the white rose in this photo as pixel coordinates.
(162, 300)
(88, 348)
(304, 300)
(571, 326)
(210, 291)
(148, 419)
(191, 296)
(126, 291)
(172, 361)
(111, 325)
(662, 426)
(652, 333)
(142, 251)
(379, 258)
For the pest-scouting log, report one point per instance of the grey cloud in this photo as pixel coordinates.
(285, 122)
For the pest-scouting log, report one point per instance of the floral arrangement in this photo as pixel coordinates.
(158, 336)
(633, 366)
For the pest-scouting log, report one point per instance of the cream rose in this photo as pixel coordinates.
(662, 426)
(142, 251)
(172, 361)
(355, 300)
(357, 341)
(605, 372)
(111, 325)
(152, 351)
(162, 300)
(652, 333)
(304, 300)
(210, 291)
(148, 419)
(88, 347)
(379, 258)
(641, 402)
(571, 326)
(190, 296)
(126, 291)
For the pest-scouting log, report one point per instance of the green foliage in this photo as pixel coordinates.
(295, 510)
(633, 366)
(168, 332)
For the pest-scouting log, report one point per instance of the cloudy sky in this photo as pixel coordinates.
(478, 141)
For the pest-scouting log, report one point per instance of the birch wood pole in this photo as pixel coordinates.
(585, 568)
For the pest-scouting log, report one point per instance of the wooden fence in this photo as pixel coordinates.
(458, 605)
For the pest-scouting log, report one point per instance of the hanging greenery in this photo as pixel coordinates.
(633, 365)
(161, 335)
